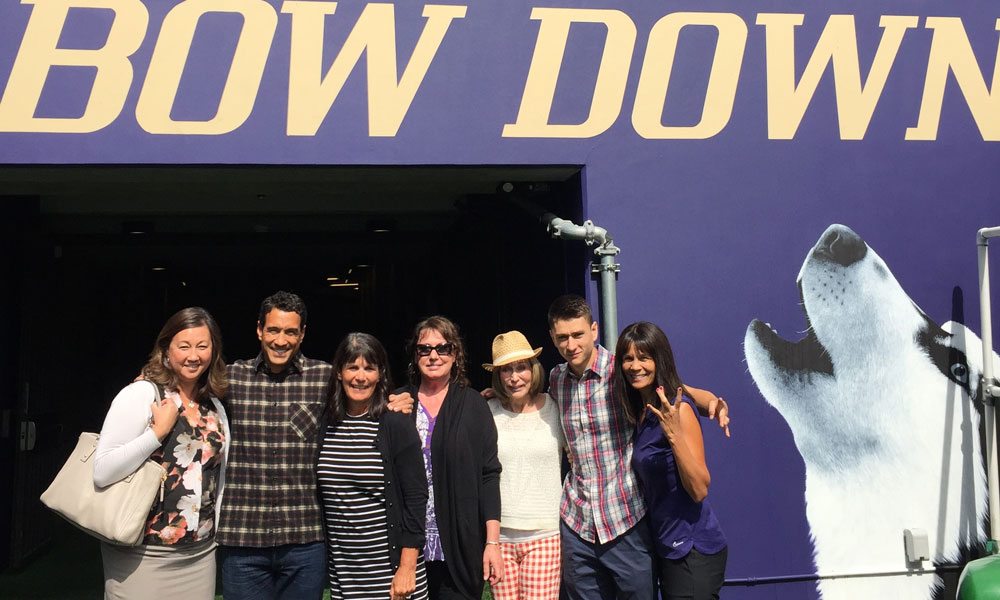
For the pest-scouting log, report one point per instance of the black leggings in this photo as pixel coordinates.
(697, 576)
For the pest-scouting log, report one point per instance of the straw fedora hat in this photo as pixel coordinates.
(510, 347)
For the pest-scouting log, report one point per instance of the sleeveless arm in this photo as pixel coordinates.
(689, 454)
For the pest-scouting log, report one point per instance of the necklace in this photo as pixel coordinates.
(190, 402)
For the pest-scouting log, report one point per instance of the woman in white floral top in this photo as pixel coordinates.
(187, 432)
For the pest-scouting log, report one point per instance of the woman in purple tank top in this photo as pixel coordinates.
(669, 462)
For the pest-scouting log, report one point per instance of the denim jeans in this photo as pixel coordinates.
(292, 571)
(623, 568)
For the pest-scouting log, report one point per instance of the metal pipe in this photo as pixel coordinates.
(608, 269)
(588, 232)
(987, 232)
(990, 392)
(751, 581)
(605, 267)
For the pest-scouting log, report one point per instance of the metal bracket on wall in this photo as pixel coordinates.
(598, 268)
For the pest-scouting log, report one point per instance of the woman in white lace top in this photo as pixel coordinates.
(529, 443)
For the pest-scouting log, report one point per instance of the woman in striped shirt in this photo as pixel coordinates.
(370, 479)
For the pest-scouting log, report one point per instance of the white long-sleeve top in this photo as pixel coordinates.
(127, 439)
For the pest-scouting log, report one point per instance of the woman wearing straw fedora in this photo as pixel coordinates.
(529, 443)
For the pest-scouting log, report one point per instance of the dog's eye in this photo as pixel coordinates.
(960, 372)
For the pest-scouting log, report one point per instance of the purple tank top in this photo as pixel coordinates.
(677, 522)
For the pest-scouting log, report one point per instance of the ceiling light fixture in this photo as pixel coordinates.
(137, 227)
(381, 225)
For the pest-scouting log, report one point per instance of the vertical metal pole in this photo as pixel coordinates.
(986, 322)
(609, 301)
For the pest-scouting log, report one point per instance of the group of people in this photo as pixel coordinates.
(301, 474)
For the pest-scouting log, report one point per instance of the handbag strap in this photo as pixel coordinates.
(158, 394)
(157, 390)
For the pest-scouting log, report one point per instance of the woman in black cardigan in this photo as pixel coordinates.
(370, 480)
(463, 472)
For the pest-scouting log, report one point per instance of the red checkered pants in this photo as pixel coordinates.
(530, 570)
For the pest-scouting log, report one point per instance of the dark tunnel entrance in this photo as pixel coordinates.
(98, 257)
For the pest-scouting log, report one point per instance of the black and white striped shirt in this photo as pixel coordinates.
(351, 482)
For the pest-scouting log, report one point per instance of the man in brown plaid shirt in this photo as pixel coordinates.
(270, 533)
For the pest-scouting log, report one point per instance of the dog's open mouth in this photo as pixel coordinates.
(805, 355)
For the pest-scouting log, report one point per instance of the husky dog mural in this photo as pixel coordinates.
(883, 405)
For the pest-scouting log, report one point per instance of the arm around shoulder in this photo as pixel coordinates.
(711, 406)
(411, 478)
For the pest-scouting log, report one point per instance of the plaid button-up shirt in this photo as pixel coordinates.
(270, 478)
(601, 498)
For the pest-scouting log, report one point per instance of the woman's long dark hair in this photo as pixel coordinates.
(353, 346)
(651, 341)
(215, 380)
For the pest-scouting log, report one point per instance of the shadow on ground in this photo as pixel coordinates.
(69, 569)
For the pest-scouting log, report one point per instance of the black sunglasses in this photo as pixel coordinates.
(444, 349)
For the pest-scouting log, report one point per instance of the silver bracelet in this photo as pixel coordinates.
(489, 543)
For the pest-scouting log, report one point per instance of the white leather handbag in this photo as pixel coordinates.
(115, 514)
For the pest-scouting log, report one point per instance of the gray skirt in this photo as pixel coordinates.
(137, 572)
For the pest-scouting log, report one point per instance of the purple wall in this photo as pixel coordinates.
(713, 231)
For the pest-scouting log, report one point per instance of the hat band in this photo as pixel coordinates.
(513, 356)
